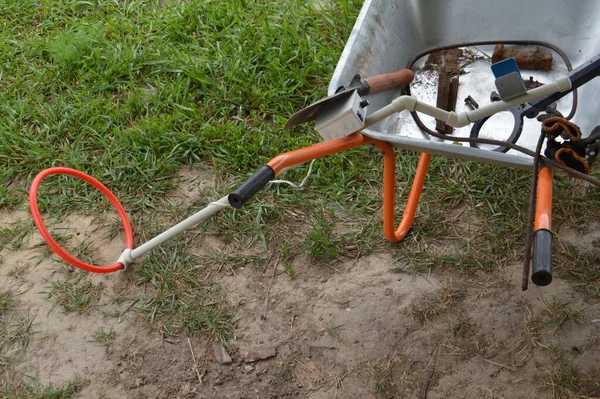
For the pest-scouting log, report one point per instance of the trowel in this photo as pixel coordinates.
(352, 95)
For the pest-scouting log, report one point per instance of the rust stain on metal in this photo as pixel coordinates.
(533, 58)
(447, 63)
(532, 84)
(471, 103)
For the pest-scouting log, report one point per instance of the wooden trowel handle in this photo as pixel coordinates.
(387, 81)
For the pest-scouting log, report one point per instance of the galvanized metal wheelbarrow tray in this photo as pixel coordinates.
(388, 34)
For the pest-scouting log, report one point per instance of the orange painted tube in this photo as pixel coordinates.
(320, 150)
(389, 177)
(541, 273)
(389, 191)
(543, 209)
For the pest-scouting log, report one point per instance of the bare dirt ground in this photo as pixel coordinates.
(353, 329)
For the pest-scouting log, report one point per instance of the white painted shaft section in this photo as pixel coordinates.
(464, 118)
(210, 210)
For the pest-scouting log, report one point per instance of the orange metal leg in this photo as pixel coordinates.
(389, 195)
(389, 177)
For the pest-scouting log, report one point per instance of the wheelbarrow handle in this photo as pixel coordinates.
(388, 81)
(542, 258)
(254, 184)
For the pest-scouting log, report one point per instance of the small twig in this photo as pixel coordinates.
(129, 307)
(426, 387)
(500, 365)
(264, 316)
(225, 100)
(195, 363)
(232, 271)
(319, 346)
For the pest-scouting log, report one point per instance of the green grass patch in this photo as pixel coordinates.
(34, 390)
(75, 293)
(177, 296)
(16, 330)
(321, 242)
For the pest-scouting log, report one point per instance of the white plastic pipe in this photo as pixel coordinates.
(464, 118)
(129, 255)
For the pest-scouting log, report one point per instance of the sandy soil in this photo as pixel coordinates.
(352, 331)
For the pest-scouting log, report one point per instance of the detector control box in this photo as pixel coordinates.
(344, 117)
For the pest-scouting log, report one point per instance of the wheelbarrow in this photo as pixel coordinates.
(392, 34)
(389, 36)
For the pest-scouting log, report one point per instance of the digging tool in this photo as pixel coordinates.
(346, 108)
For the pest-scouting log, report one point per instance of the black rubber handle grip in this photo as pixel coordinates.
(239, 197)
(542, 257)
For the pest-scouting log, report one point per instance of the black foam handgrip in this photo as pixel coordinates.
(239, 197)
(542, 257)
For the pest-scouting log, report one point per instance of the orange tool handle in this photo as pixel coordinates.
(388, 81)
(542, 238)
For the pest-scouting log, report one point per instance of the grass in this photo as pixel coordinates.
(17, 235)
(36, 391)
(177, 296)
(130, 92)
(321, 243)
(559, 313)
(105, 338)
(16, 330)
(580, 266)
(433, 306)
(75, 293)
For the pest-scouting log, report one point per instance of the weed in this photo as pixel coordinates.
(566, 381)
(18, 271)
(105, 338)
(286, 257)
(460, 328)
(319, 242)
(21, 390)
(556, 351)
(75, 293)
(75, 49)
(559, 313)
(6, 301)
(434, 305)
(343, 303)
(334, 331)
(178, 298)
(289, 270)
(381, 372)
